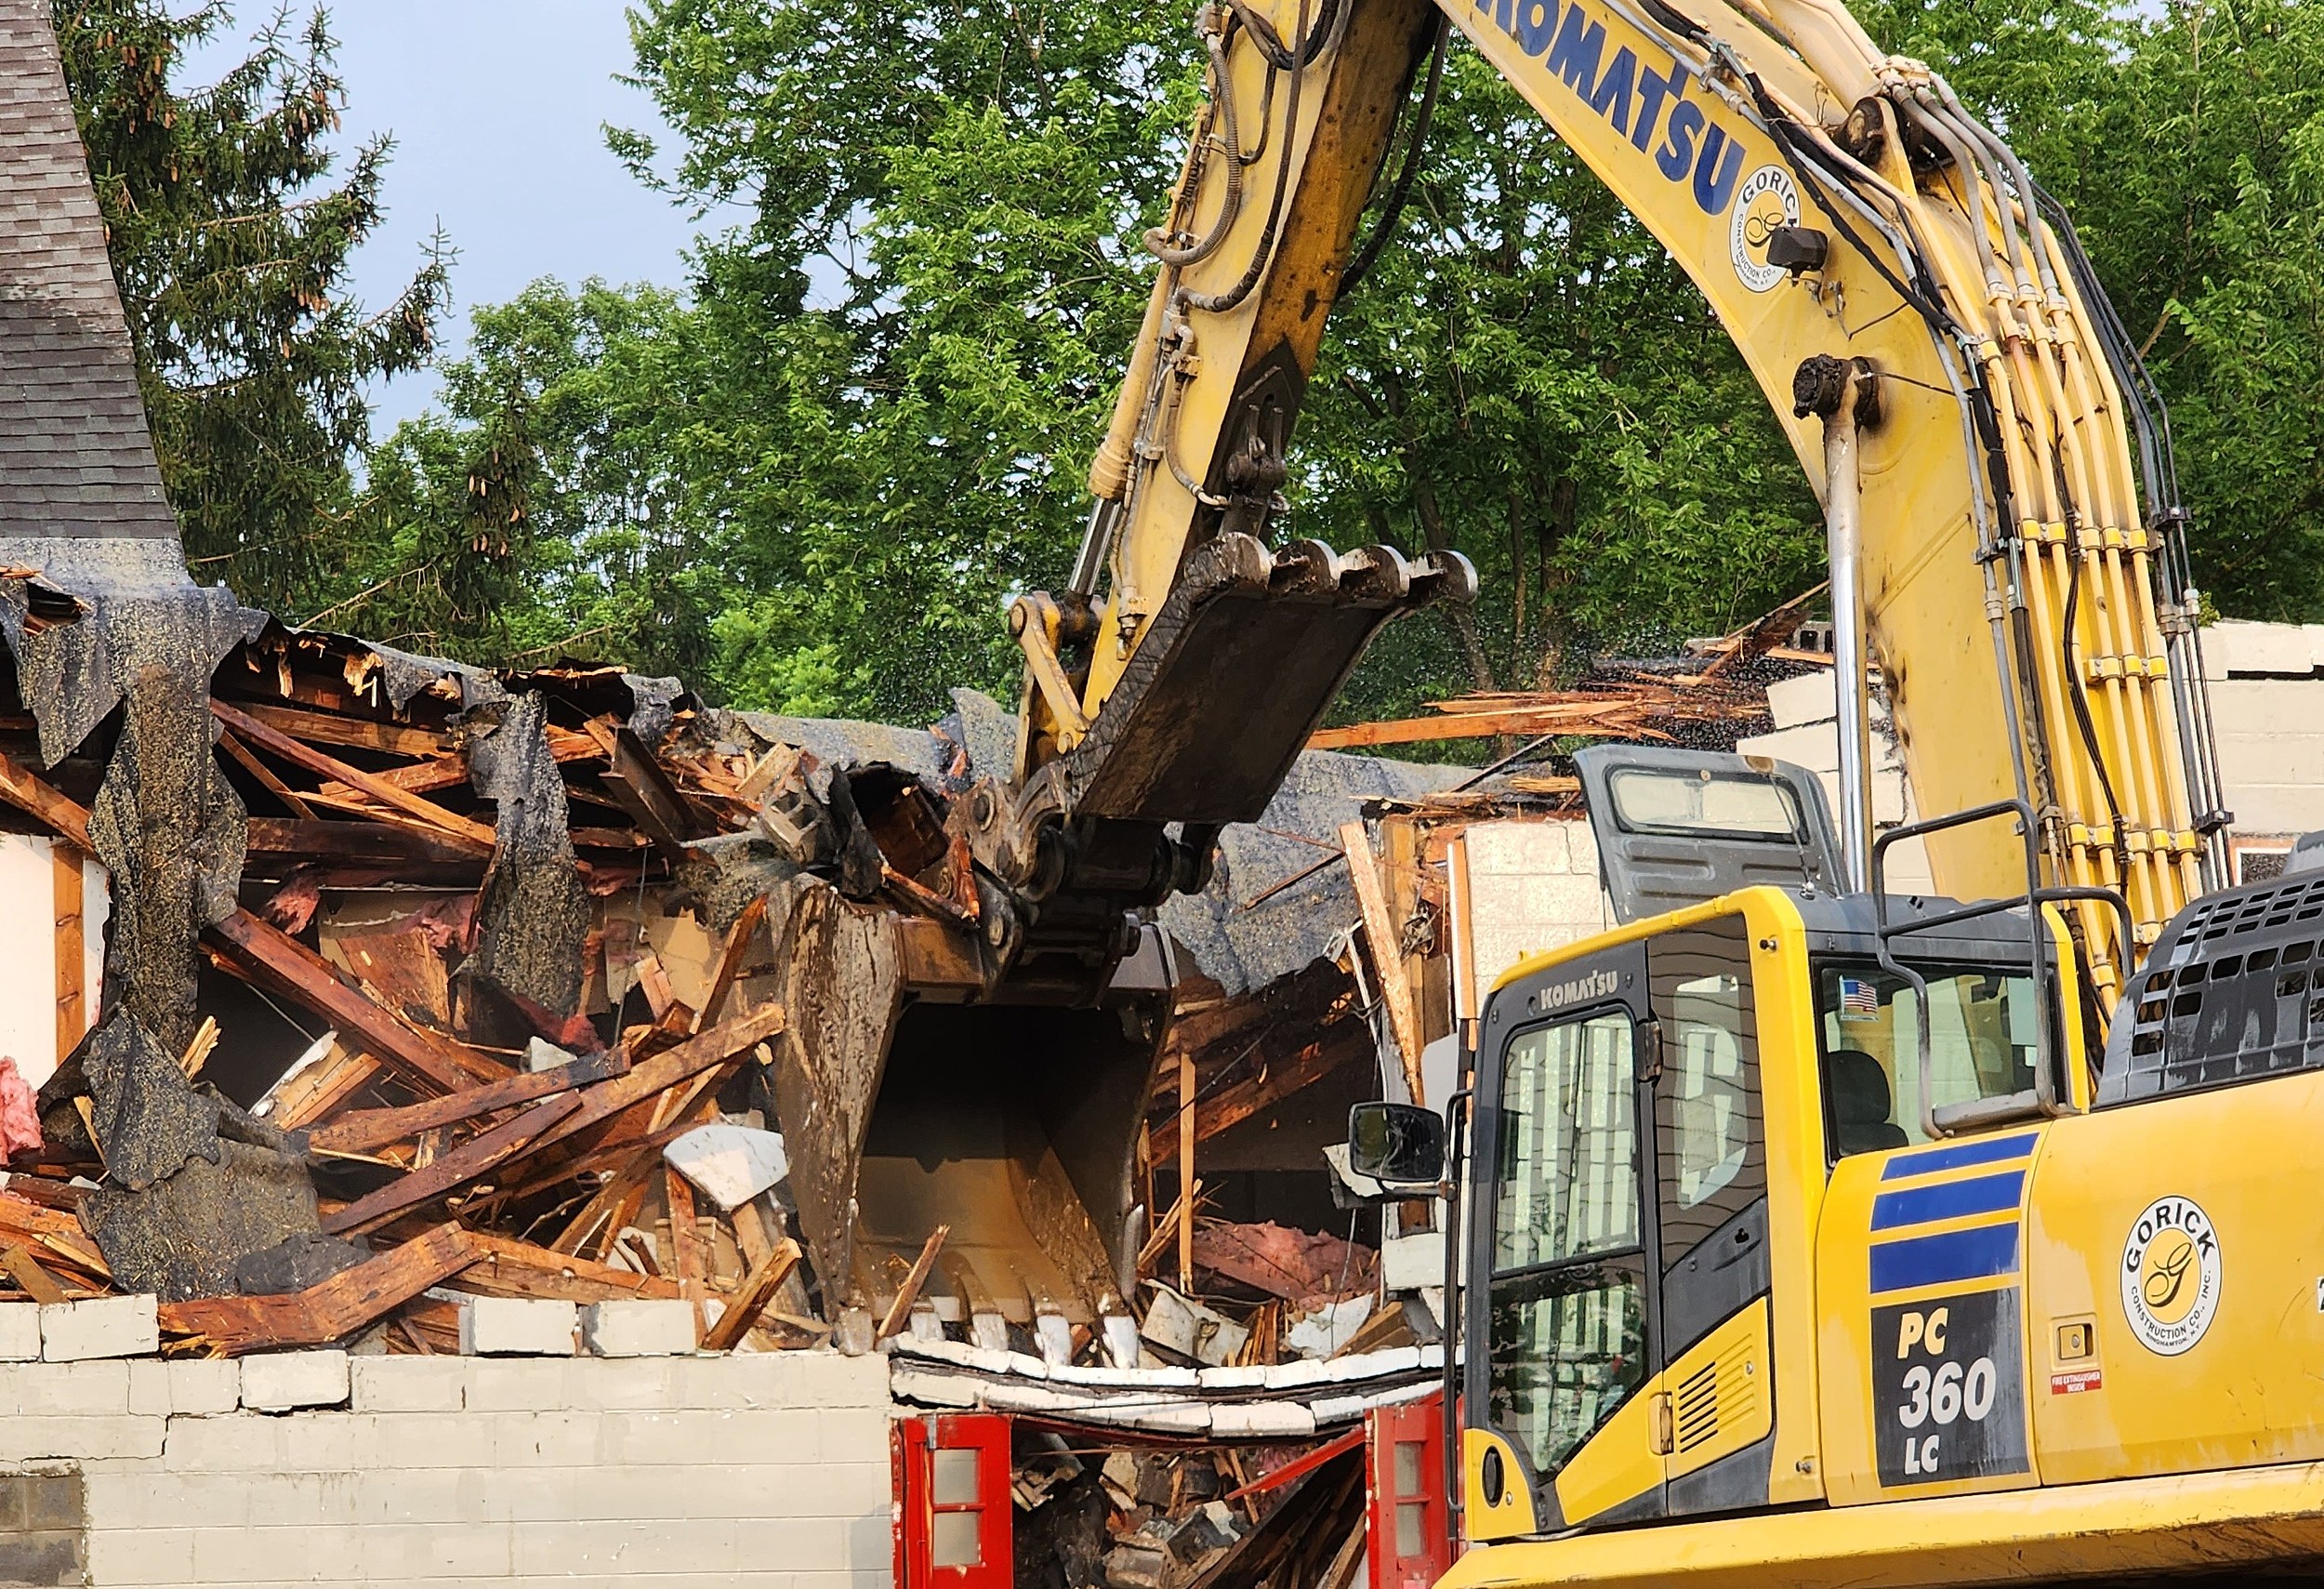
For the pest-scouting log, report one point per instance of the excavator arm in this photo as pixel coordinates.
(2006, 548)
(2007, 543)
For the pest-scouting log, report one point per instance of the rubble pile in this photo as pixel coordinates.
(487, 1009)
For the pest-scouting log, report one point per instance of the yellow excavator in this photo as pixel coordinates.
(1808, 1233)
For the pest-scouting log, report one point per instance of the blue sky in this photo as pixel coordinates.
(496, 108)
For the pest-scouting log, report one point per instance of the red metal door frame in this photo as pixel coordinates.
(953, 1517)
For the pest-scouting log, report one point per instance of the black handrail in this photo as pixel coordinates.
(2047, 1036)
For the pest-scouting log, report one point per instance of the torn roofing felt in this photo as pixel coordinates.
(1242, 945)
(535, 912)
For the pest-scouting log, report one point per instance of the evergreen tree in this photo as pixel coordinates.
(231, 234)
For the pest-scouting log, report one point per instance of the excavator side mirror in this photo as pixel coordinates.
(1398, 1144)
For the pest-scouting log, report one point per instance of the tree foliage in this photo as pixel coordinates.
(231, 235)
(811, 479)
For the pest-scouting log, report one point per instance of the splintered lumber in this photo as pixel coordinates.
(909, 1291)
(354, 733)
(266, 956)
(330, 1309)
(34, 796)
(1387, 944)
(455, 1169)
(1233, 1105)
(53, 1231)
(508, 1267)
(369, 842)
(668, 1069)
(642, 788)
(738, 941)
(366, 1128)
(31, 1278)
(687, 1255)
(458, 829)
(1185, 1168)
(250, 764)
(759, 1291)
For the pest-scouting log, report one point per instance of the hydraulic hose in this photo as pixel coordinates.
(1225, 302)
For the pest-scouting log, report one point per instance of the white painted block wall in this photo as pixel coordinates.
(28, 950)
(682, 1473)
(1533, 885)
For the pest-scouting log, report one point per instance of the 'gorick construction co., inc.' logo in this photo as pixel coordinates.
(2170, 1276)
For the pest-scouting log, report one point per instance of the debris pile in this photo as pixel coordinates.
(487, 1009)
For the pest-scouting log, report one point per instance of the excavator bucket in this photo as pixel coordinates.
(985, 1073)
(907, 1108)
(1248, 653)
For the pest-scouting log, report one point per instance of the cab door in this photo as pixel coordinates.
(1561, 1315)
(1709, 1161)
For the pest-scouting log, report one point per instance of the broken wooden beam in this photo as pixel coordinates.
(331, 1309)
(508, 1267)
(464, 831)
(268, 958)
(665, 1069)
(454, 1169)
(365, 1129)
(639, 786)
(909, 1291)
(758, 1294)
(1382, 933)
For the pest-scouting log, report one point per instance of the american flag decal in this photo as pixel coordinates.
(1859, 1001)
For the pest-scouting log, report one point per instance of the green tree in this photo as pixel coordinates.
(231, 235)
(2187, 142)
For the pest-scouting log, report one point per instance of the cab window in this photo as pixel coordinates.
(1982, 1044)
(1712, 1156)
(1567, 1293)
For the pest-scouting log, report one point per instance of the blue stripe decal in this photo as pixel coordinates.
(1936, 1260)
(1949, 1200)
(1956, 1156)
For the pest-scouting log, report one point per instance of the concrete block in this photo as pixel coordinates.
(804, 1545)
(1408, 1263)
(729, 1164)
(1814, 745)
(2237, 648)
(65, 1438)
(203, 1385)
(641, 1384)
(19, 1332)
(102, 1326)
(644, 1327)
(409, 1384)
(853, 1434)
(141, 1556)
(91, 1389)
(1811, 697)
(517, 1326)
(276, 1381)
(140, 1496)
(606, 1547)
(237, 1443)
(1516, 848)
(525, 1384)
(555, 1439)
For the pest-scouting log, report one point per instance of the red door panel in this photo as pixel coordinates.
(952, 1489)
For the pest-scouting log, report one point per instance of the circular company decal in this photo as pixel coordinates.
(2170, 1276)
(1767, 199)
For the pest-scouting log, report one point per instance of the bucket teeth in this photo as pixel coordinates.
(1305, 568)
(1445, 576)
(1375, 574)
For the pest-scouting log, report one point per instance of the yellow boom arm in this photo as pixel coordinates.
(1888, 270)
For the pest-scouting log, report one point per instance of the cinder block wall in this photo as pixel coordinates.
(675, 1472)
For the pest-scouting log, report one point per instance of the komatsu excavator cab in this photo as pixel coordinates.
(1662, 1115)
(1794, 1209)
